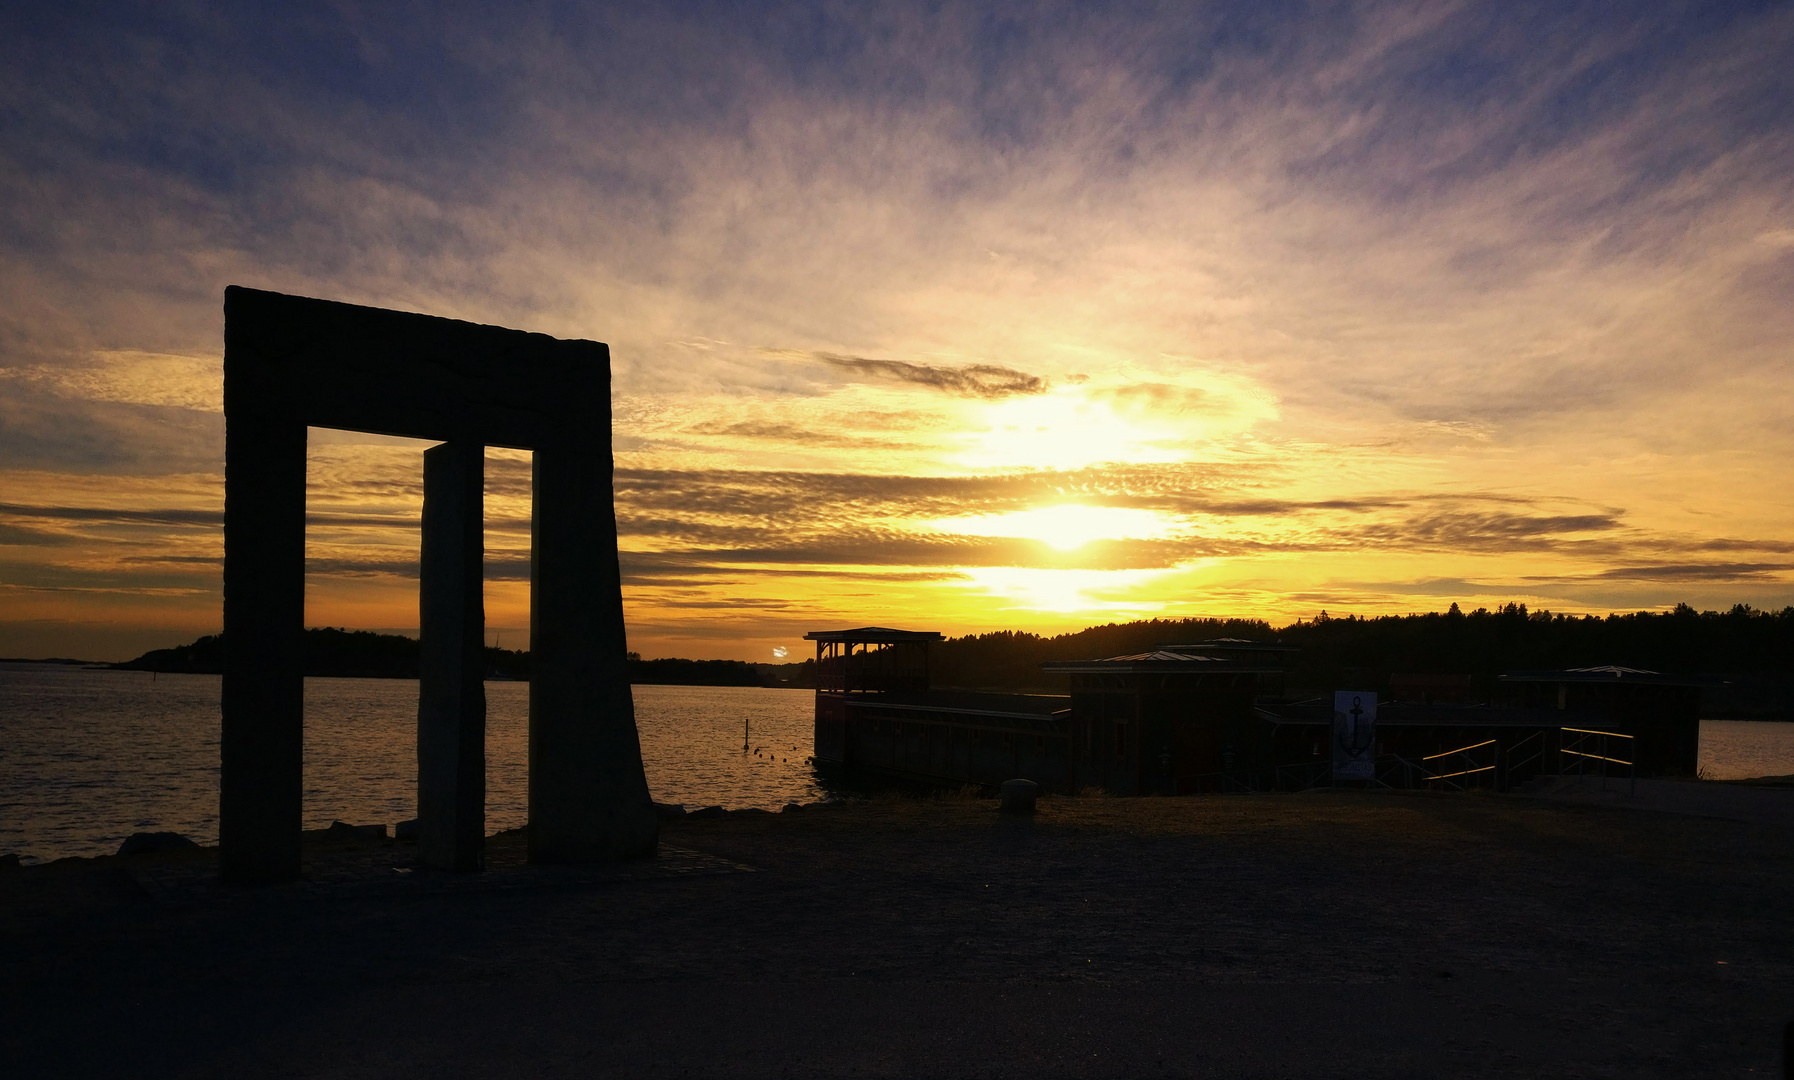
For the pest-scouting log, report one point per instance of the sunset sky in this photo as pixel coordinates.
(948, 318)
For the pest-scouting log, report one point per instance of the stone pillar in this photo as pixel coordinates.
(261, 748)
(588, 796)
(451, 701)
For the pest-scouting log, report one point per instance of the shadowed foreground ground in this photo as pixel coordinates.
(1310, 935)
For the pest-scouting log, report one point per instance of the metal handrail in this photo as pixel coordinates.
(1597, 757)
(1582, 737)
(1463, 755)
(1313, 771)
(1394, 772)
(1506, 780)
(1408, 769)
(1459, 750)
(1465, 772)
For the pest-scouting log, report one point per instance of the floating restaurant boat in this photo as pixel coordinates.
(876, 712)
(1212, 716)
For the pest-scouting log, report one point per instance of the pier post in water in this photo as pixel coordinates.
(451, 704)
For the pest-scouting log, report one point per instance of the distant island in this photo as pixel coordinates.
(335, 652)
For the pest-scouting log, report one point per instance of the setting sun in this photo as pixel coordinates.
(1064, 527)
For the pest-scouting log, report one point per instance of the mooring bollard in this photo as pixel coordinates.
(1019, 795)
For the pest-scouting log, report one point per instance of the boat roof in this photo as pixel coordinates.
(1227, 644)
(877, 635)
(1604, 673)
(1159, 661)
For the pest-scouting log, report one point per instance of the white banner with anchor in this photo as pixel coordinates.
(1354, 734)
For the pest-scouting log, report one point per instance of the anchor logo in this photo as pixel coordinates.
(1354, 735)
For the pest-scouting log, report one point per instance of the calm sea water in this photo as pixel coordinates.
(88, 757)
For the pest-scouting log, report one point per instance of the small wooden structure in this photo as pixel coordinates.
(871, 659)
(877, 712)
(851, 663)
(1157, 723)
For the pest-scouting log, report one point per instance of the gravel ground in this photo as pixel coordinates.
(1314, 935)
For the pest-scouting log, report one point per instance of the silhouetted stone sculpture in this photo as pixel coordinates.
(292, 362)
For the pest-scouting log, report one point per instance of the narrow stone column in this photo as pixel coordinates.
(451, 700)
(261, 747)
(588, 796)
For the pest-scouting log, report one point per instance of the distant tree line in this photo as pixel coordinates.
(1011, 659)
(1753, 644)
(1485, 643)
(672, 671)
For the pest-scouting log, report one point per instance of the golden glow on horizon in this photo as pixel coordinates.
(1065, 527)
(1062, 430)
(1157, 422)
(1099, 594)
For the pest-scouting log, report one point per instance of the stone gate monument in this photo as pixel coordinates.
(291, 362)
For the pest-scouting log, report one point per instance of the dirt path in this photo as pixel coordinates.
(1307, 935)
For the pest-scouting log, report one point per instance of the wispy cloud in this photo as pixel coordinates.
(987, 381)
(1696, 572)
